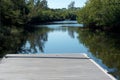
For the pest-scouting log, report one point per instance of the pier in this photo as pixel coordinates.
(51, 67)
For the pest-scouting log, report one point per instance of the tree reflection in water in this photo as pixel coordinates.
(104, 46)
(14, 42)
(11, 39)
(35, 41)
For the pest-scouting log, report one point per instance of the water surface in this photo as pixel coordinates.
(60, 40)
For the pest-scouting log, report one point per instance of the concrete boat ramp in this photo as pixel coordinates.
(51, 67)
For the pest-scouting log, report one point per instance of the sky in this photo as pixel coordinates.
(64, 3)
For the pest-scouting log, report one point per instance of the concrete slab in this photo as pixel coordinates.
(51, 67)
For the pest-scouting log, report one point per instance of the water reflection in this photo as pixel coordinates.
(35, 41)
(10, 40)
(53, 40)
(105, 47)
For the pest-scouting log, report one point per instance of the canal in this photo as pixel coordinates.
(63, 37)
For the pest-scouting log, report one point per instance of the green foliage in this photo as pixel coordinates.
(12, 11)
(100, 13)
(47, 15)
(32, 11)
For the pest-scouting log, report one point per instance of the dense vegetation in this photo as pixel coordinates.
(25, 11)
(104, 14)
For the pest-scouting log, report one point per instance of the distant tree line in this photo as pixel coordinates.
(42, 13)
(25, 11)
(104, 14)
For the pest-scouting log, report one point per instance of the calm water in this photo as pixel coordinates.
(58, 37)
(68, 37)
